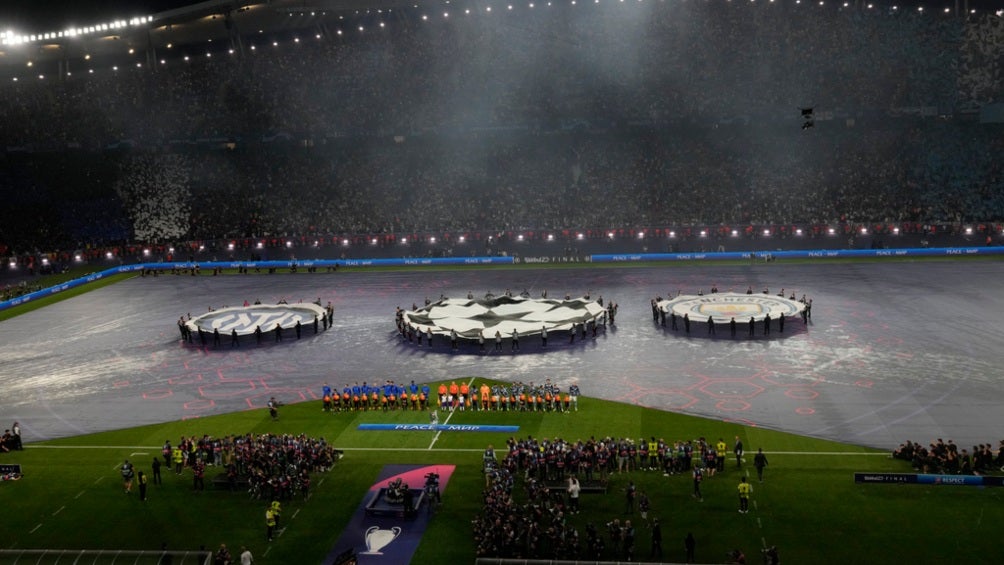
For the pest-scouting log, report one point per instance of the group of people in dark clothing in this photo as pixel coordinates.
(943, 457)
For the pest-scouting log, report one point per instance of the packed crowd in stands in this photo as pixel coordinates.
(617, 116)
(943, 457)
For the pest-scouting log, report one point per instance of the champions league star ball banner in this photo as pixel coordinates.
(388, 539)
(928, 479)
(435, 428)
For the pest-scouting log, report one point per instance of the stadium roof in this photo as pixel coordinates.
(48, 32)
(44, 34)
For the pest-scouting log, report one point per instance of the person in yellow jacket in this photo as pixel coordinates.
(276, 508)
(744, 495)
(269, 523)
(720, 451)
(178, 459)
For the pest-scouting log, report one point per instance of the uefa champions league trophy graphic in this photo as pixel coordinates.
(377, 539)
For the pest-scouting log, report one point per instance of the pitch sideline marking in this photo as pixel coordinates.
(447, 421)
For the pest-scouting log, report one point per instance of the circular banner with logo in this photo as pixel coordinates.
(505, 314)
(722, 307)
(245, 319)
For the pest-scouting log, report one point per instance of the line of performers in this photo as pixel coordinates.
(518, 397)
(368, 397)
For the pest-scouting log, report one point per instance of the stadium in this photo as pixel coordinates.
(464, 163)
